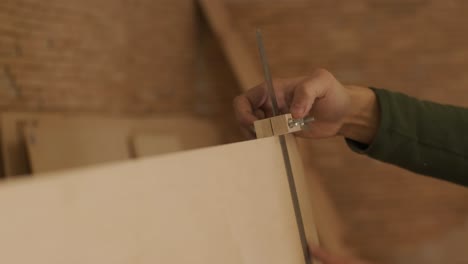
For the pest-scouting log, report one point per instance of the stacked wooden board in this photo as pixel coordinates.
(43, 142)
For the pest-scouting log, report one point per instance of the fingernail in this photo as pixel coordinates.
(297, 111)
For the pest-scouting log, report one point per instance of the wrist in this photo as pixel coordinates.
(362, 118)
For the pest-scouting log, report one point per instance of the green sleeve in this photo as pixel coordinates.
(420, 136)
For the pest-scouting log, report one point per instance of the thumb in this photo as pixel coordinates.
(302, 102)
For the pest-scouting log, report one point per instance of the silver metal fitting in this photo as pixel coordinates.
(299, 121)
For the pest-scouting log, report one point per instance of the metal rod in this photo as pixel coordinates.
(284, 150)
(266, 72)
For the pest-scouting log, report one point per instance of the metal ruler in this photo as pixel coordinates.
(284, 150)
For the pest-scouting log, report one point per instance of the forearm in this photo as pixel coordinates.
(424, 137)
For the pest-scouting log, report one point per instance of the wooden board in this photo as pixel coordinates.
(145, 145)
(62, 145)
(193, 133)
(15, 158)
(226, 204)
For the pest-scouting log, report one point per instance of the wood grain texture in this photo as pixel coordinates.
(149, 210)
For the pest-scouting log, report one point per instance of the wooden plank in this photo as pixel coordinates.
(15, 158)
(193, 133)
(243, 62)
(63, 145)
(145, 145)
(226, 204)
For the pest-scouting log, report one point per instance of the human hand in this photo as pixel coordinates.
(350, 111)
(325, 257)
(319, 95)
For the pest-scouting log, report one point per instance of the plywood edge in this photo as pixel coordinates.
(304, 196)
(13, 147)
(321, 220)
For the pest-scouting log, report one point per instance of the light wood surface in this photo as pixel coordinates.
(263, 128)
(274, 126)
(145, 145)
(280, 125)
(66, 144)
(225, 204)
(91, 131)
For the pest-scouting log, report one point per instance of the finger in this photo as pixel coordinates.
(322, 255)
(260, 114)
(257, 96)
(247, 103)
(243, 110)
(268, 108)
(248, 132)
(260, 99)
(307, 92)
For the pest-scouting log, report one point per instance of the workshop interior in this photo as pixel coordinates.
(120, 144)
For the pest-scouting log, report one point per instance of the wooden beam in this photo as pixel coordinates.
(244, 63)
(263, 128)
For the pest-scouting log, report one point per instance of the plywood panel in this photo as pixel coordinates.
(228, 204)
(62, 145)
(145, 145)
(15, 158)
(193, 133)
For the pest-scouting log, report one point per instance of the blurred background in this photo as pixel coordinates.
(137, 66)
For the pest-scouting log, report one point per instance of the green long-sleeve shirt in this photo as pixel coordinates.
(420, 136)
